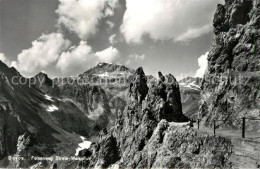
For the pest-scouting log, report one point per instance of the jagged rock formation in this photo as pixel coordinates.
(139, 89)
(39, 130)
(145, 138)
(107, 152)
(101, 99)
(230, 89)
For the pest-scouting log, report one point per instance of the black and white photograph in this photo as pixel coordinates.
(125, 84)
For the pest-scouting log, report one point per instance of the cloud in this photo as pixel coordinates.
(203, 65)
(82, 16)
(110, 24)
(112, 39)
(81, 58)
(53, 49)
(4, 59)
(194, 33)
(44, 51)
(108, 55)
(109, 12)
(78, 58)
(135, 58)
(177, 20)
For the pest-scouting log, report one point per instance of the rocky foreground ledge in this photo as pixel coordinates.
(170, 146)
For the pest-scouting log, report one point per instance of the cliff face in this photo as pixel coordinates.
(10, 129)
(92, 100)
(153, 132)
(10, 125)
(230, 89)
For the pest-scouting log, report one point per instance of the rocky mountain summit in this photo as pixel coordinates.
(108, 67)
(230, 88)
(153, 132)
(43, 82)
(97, 92)
(108, 74)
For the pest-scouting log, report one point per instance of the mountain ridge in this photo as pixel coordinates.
(26, 109)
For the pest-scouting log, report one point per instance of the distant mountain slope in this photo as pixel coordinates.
(50, 124)
(99, 92)
(190, 95)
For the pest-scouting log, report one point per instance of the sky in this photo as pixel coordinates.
(67, 37)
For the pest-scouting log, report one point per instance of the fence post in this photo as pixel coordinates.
(243, 127)
(198, 123)
(214, 123)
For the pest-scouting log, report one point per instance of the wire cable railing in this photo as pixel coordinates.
(215, 126)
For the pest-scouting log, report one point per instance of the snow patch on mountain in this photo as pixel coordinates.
(52, 108)
(103, 74)
(84, 145)
(191, 85)
(94, 115)
(48, 97)
(113, 74)
(62, 100)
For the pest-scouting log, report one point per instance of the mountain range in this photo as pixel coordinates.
(55, 114)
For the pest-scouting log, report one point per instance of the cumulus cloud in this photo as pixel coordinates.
(76, 59)
(112, 39)
(82, 16)
(4, 59)
(53, 49)
(81, 57)
(44, 51)
(135, 58)
(203, 65)
(110, 24)
(178, 20)
(108, 55)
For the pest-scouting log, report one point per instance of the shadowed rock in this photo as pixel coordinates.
(230, 89)
(138, 88)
